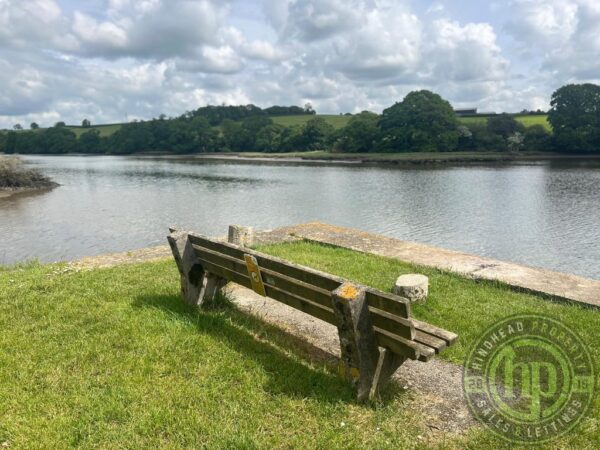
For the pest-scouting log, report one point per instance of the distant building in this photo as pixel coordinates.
(466, 112)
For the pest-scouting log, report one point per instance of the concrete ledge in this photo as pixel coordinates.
(560, 285)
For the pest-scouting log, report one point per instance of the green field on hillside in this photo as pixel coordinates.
(527, 120)
(337, 121)
(105, 130)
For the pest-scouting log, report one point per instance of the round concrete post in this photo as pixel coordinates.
(414, 287)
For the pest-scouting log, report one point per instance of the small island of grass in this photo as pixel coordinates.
(15, 177)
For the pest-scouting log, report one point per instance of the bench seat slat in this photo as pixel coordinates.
(437, 332)
(430, 341)
(404, 347)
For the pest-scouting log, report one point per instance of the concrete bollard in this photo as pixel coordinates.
(240, 235)
(414, 287)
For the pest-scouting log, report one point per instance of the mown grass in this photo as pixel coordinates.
(112, 358)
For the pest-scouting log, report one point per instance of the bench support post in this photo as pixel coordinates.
(197, 285)
(387, 364)
(358, 343)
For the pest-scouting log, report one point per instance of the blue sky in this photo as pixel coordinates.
(117, 60)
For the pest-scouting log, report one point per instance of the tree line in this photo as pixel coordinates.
(422, 121)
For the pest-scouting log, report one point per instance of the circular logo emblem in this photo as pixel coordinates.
(529, 378)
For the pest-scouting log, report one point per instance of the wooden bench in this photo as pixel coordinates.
(376, 330)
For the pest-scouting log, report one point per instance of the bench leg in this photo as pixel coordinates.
(359, 348)
(387, 364)
(197, 286)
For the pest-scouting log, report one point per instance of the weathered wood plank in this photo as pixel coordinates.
(302, 273)
(388, 302)
(280, 281)
(440, 333)
(394, 324)
(313, 309)
(435, 343)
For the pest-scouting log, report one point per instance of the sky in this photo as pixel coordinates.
(121, 60)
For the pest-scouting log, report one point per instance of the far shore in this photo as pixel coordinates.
(409, 159)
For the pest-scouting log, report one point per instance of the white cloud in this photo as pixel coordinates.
(116, 59)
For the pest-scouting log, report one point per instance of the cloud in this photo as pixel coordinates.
(113, 60)
(150, 29)
(562, 35)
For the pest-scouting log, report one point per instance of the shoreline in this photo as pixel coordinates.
(366, 159)
(13, 192)
(412, 159)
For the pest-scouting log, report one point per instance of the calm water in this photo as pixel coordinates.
(545, 215)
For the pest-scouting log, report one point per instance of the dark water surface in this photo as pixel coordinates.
(544, 214)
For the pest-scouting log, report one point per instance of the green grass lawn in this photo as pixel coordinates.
(112, 358)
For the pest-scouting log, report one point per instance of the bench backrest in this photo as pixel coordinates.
(310, 291)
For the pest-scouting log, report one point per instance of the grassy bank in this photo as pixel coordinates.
(14, 175)
(111, 358)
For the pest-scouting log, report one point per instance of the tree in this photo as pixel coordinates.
(89, 142)
(270, 138)
(17, 127)
(315, 135)
(60, 124)
(361, 134)
(423, 121)
(85, 123)
(575, 117)
(504, 125)
(537, 138)
(34, 126)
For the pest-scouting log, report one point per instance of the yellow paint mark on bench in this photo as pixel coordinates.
(348, 291)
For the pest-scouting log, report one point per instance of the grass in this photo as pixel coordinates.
(112, 358)
(527, 120)
(105, 130)
(336, 121)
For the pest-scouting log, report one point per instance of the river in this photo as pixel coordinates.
(543, 214)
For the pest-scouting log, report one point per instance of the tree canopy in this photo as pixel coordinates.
(423, 121)
(575, 117)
